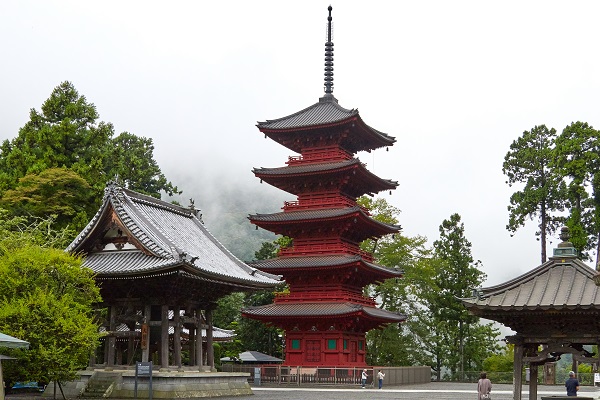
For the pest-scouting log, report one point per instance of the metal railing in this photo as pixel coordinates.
(301, 375)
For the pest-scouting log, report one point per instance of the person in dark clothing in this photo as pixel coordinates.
(572, 384)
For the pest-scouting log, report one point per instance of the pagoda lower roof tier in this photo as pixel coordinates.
(349, 176)
(351, 223)
(325, 123)
(303, 266)
(284, 314)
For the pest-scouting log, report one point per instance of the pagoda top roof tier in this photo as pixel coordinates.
(322, 117)
(158, 238)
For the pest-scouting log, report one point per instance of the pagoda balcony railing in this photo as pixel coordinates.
(326, 295)
(324, 248)
(326, 202)
(319, 155)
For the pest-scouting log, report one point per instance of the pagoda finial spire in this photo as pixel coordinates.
(329, 56)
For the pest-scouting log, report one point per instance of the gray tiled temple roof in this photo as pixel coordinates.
(307, 168)
(170, 235)
(319, 262)
(311, 168)
(326, 213)
(563, 283)
(322, 309)
(325, 112)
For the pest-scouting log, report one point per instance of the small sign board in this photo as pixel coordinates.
(143, 369)
(596, 377)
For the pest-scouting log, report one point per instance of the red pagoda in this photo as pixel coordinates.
(325, 314)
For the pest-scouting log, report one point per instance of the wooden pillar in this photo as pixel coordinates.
(533, 378)
(518, 368)
(210, 353)
(199, 360)
(1, 383)
(177, 337)
(192, 345)
(119, 353)
(147, 319)
(164, 337)
(131, 346)
(111, 340)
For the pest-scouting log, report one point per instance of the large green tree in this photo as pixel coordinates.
(467, 342)
(66, 134)
(577, 158)
(60, 192)
(46, 298)
(528, 164)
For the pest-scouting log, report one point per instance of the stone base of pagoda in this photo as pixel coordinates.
(120, 384)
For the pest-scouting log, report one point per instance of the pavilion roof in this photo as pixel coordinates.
(165, 236)
(564, 283)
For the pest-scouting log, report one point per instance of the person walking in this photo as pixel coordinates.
(380, 376)
(572, 384)
(484, 387)
(364, 378)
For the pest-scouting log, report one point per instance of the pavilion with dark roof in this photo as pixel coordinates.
(160, 273)
(554, 310)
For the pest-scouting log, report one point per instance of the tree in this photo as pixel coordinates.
(55, 191)
(528, 162)
(578, 159)
(131, 159)
(66, 134)
(47, 299)
(417, 340)
(456, 276)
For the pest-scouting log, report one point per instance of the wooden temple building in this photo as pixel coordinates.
(554, 310)
(325, 314)
(160, 273)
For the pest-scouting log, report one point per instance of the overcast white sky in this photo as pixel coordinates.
(454, 82)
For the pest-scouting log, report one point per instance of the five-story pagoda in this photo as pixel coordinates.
(325, 314)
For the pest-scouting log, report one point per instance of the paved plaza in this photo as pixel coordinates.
(433, 390)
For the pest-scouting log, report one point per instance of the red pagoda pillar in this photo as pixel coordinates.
(325, 314)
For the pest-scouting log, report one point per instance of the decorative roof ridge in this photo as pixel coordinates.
(155, 202)
(323, 103)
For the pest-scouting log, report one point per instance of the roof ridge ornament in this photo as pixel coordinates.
(565, 248)
(329, 56)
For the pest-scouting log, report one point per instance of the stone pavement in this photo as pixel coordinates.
(433, 390)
